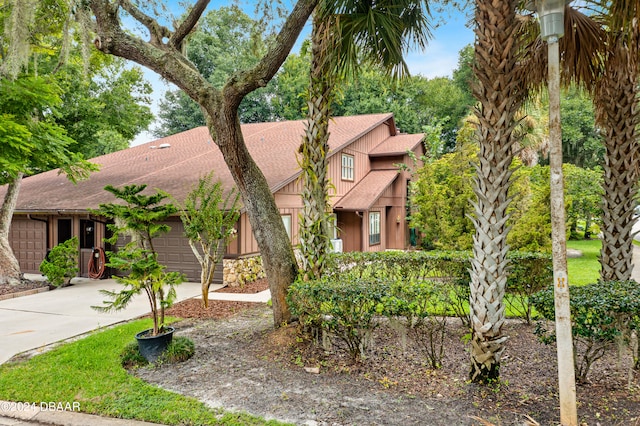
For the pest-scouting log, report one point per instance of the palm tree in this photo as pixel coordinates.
(618, 113)
(345, 31)
(600, 51)
(500, 93)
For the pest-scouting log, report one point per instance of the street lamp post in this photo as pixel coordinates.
(551, 15)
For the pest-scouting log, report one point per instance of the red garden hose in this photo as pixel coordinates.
(97, 263)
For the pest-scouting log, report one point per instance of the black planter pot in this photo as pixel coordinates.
(151, 347)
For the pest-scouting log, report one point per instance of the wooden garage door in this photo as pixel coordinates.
(174, 252)
(28, 240)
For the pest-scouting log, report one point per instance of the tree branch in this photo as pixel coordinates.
(162, 59)
(188, 24)
(157, 32)
(248, 81)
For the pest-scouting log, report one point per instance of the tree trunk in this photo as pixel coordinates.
(500, 94)
(9, 266)
(618, 113)
(315, 241)
(278, 259)
(163, 54)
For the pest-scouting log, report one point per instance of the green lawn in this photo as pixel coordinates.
(586, 269)
(88, 372)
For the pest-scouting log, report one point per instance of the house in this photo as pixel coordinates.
(369, 202)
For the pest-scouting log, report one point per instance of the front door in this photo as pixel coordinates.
(87, 239)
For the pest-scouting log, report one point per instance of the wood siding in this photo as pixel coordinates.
(30, 239)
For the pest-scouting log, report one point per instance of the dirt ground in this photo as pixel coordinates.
(242, 364)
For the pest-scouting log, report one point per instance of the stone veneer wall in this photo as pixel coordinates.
(237, 272)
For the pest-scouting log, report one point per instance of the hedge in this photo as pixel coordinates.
(418, 289)
(602, 315)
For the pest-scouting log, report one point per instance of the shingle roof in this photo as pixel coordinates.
(188, 155)
(367, 191)
(397, 145)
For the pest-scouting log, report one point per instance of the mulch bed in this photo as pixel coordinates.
(22, 287)
(217, 309)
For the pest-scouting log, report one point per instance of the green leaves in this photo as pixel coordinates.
(61, 264)
(209, 218)
(601, 314)
(139, 219)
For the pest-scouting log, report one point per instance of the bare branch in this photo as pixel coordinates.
(169, 63)
(250, 80)
(188, 24)
(157, 32)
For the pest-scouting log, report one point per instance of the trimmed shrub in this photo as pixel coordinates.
(61, 264)
(416, 291)
(448, 267)
(343, 307)
(421, 308)
(529, 274)
(602, 315)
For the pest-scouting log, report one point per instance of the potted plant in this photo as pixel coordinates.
(140, 221)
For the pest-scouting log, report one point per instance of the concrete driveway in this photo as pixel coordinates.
(35, 321)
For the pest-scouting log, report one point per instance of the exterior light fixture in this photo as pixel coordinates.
(551, 15)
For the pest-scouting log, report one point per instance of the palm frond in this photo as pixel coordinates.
(582, 48)
(380, 33)
(623, 16)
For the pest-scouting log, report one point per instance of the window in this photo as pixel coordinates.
(87, 234)
(374, 228)
(347, 167)
(286, 220)
(64, 230)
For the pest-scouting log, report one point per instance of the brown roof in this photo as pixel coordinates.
(187, 156)
(397, 145)
(367, 191)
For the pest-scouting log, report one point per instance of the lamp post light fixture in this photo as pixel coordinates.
(551, 14)
(551, 17)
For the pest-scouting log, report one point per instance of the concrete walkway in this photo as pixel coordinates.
(36, 321)
(37, 416)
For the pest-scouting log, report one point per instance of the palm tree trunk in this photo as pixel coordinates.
(619, 114)
(500, 95)
(314, 228)
(9, 266)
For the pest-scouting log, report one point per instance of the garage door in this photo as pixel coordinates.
(28, 239)
(174, 251)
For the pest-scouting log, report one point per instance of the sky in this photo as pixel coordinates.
(449, 35)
